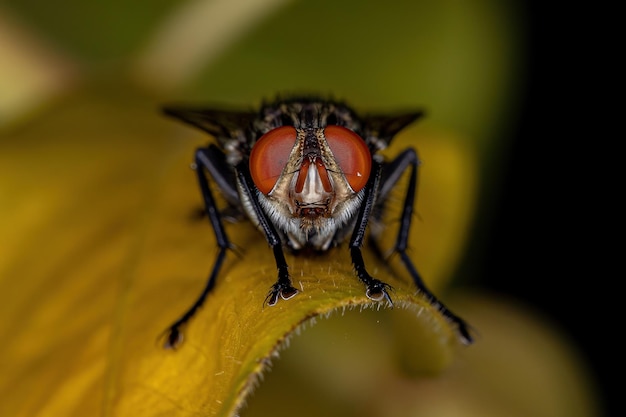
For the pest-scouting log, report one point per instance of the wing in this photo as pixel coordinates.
(218, 123)
(379, 130)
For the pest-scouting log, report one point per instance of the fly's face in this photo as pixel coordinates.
(310, 179)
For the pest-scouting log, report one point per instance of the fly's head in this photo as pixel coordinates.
(310, 167)
(312, 174)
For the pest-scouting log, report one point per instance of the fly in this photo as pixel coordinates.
(307, 173)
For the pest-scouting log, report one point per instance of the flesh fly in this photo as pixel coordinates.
(308, 174)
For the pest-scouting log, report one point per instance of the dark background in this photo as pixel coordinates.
(542, 248)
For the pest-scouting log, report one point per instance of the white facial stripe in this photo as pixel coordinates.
(313, 191)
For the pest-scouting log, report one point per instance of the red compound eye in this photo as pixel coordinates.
(352, 155)
(269, 156)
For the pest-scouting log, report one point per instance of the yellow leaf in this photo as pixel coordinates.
(102, 249)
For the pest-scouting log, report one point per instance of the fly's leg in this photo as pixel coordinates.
(392, 172)
(375, 289)
(204, 161)
(282, 288)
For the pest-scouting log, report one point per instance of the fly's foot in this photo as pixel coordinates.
(173, 338)
(377, 291)
(463, 328)
(284, 291)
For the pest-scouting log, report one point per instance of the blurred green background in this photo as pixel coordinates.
(487, 70)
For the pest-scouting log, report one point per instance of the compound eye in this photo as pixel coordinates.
(270, 155)
(352, 155)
